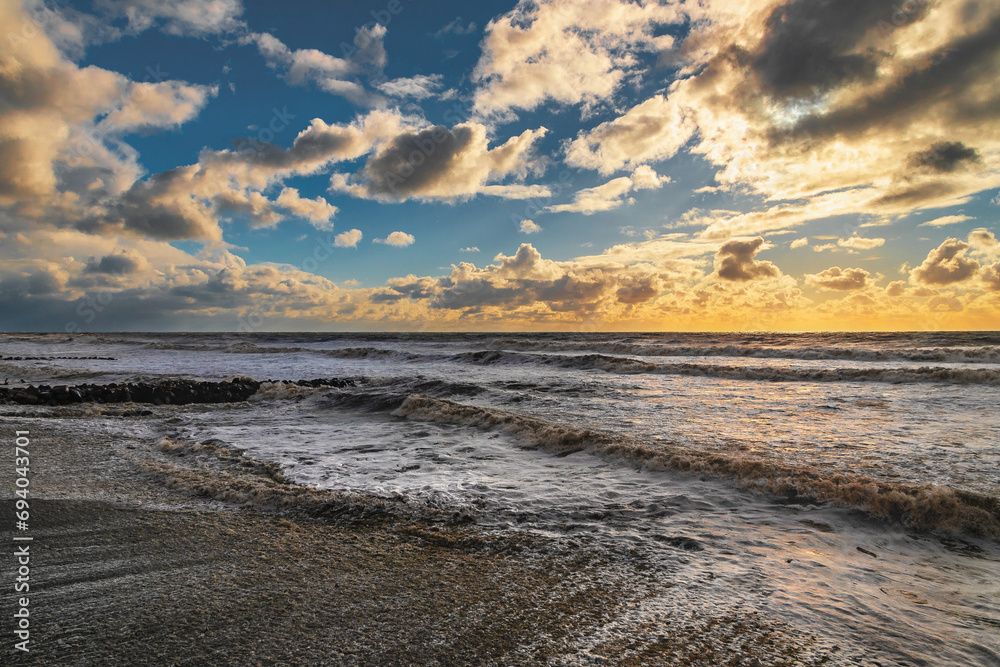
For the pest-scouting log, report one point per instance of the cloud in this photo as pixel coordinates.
(166, 104)
(348, 239)
(820, 113)
(799, 243)
(469, 249)
(398, 239)
(860, 243)
(945, 265)
(529, 227)
(944, 304)
(944, 156)
(317, 210)
(896, 288)
(338, 76)
(565, 51)
(946, 220)
(990, 275)
(416, 87)
(180, 17)
(735, 262)
(528, 281)
(838, 279)
(71, 30)
(648, 132)
(438, 163)
(63, 158)
(984, 241)
(114, 265)
(186, 202)
(456, 27)
(612, 194)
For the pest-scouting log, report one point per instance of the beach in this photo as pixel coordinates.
(133, 572)
(474, 500)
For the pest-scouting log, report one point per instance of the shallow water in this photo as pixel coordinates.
(596, 436)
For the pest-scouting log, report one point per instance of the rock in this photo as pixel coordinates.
(166, 392)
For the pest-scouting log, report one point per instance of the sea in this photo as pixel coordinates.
(847, 484)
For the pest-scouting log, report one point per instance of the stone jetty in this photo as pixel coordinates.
(164, 392)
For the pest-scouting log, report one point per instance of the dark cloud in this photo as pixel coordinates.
(946, 264)
(809, 45)
(118, 265)
(735, 261)
(415, 162)
(315, 145)
(480, 292)
(637, 291)
(916, 194)
(944, 156)
(941, 79)
(841, 280)
(153, 209)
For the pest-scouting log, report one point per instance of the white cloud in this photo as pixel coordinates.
(529, 227)
(946, 220)
(348, 239)
(469, 249)
(985, 242)
(398, 239)
(565, 50)
(176, 17)
(650, 131)
(317, 210)
(334, 75)
(417, 87)
(860, 243)
(612, 194)
(456, 27)
(165, 104)
(799, 243)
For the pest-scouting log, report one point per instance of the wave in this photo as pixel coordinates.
(372, 353)
(927, 507)
(388, 394)
(215, 469)
(241, 347)
(987, 376)
(989, 354)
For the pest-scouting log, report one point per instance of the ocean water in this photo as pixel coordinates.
(847, 484)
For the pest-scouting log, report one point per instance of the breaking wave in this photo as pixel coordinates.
(989, 376)
(926, 507)
(981, 354)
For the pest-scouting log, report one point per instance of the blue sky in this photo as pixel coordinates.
(620, 164)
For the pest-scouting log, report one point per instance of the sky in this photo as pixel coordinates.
(552, 165)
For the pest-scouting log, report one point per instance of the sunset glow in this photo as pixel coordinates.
(554, 165)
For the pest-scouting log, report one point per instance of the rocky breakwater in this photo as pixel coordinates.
(164, 392)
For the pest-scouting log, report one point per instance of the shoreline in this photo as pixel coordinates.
(136, 562)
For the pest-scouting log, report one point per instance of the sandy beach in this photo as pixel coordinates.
(137, 560)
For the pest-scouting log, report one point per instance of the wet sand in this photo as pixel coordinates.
(140, 557)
